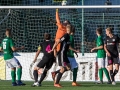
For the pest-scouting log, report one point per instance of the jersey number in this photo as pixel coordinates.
(4, 45)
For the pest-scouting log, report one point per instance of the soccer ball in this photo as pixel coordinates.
(64, 2)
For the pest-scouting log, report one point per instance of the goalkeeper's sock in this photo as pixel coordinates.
(35, 74)
(13, 75)
(106, 73)
(75, 74)
(101, 74)
(19, 73)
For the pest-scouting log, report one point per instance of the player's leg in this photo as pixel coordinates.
(74, 68)
(39, 66)
(62, 69)
(110, 63)
(13, 72)
(100, 70)
(17, 64)
(105, 70)
(48, 66)
(116, 62)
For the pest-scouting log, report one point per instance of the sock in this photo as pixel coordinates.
(101, 74)
(75, 74)
(35, 73)
(57, 71)
(115, 72)
(111, 74)
(19, 73)
(106, 73)
(42, 76)
(13, 75)
(59, 77)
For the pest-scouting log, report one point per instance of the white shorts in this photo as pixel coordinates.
(73, 63)
(101, 62)
(12, 63)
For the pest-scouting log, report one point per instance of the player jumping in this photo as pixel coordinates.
(62, 55)
(8, 48)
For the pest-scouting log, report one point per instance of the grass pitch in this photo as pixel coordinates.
(48, 85)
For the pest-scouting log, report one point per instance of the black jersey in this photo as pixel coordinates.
(112, 45)
(45, 47)
(65, 43)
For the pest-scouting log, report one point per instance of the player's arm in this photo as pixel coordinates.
(37, 54)
(100, 45)
(105, 48)
(76, 51)
(58, 23)
(17, 48)
(13, 46)
(1, 47)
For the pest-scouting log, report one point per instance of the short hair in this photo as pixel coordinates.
(73, 29)
(109, 29)
(69, 26)
(8, 30)
(47, 36)
(99, 30)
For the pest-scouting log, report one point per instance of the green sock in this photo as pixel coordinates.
(75, 74)
(101, 74)
(106, 73)
(19, 73)
(13, 75)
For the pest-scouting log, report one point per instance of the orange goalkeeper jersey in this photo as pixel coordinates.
(60, 31)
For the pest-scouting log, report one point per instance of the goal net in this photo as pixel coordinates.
(29, 25)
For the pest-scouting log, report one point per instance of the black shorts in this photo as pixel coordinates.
(46, 62)
(113, 60)
(62, 59)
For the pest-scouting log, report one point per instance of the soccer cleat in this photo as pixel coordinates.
(57, 85)
(75, 84)
(20, 83)
(109, 82)
(113, 83)
(99, 82)
(14, 84)
(36, 84)
(53, 75)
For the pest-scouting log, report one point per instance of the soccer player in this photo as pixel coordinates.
(8, 47)
(62, 55)
(71, 58)
(111, 48)
(101, 54)
(61, 28)
(47, 60)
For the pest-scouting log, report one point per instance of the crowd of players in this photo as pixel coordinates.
(62, 51)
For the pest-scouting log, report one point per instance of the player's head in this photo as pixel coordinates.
(8, 32)
(99, 31)
(66, 22)
(68, 28)
(47, 36)
(72, 30)
(109, 31)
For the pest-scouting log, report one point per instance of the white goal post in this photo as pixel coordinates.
(52, 7)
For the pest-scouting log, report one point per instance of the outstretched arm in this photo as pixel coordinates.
(37, 54)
